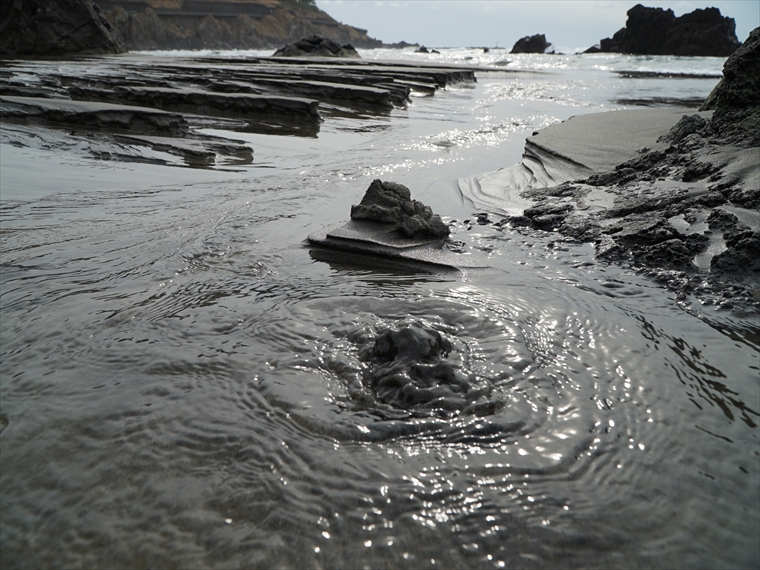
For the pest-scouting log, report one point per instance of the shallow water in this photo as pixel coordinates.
(186, 384)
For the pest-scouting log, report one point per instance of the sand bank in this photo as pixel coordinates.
(657, 189)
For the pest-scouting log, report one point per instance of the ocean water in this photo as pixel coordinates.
(185, 383)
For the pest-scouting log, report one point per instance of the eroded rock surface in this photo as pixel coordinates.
(391, 203)
(736, 98)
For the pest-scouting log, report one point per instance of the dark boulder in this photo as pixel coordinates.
(654, 31)
(55, 28)
(531, 44)
(736, 98)
(392, 203)
(316, 46)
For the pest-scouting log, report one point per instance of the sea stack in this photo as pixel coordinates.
(654, 31)
(531, 44)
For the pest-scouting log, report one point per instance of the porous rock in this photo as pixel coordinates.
(409, 369)
(390, 202)
(736, 98)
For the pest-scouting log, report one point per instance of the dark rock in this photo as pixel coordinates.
(422, 49)
(55, 28)
(316, 46)
(736, 98)
(392, 203)
(117, 118)
(654, 31)
(687, 125)
(409, 369)
(721, 220)
(742, 256)
(531, 44)
(673, 253)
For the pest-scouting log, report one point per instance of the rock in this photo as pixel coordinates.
(736, 98)
(422, 49)
(55, 28)
(654, 31)
(391, 203)
(316, 46)
(225, 24)
(531, 44)
(409, 369)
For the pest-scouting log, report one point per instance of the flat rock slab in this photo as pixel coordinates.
(201, 102)
(384, 240)
(92, 114)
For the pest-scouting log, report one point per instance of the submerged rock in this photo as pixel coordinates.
(55, 28)
(392, 203)
(654, 31)
(316, 46)
(410, 369)
(531, 44)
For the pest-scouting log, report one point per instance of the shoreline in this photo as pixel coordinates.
(655, 190)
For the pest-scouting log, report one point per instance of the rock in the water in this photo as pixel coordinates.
(736, 98)
(392, 203)
(55, 28)
(409, 370)
(531, 44)
(654, 31)
(316, 46)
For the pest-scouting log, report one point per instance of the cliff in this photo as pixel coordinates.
(654, 31)
(48, 28)
(224, 24)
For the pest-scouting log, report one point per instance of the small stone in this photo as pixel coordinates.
(391, 203)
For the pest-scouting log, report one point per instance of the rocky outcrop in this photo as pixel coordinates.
(736, 98)
(316, 46)
(55, 28)
(531, 44)
(654, 31)
(391, 203)
(224, 24)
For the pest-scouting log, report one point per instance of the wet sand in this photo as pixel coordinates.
(654, 189)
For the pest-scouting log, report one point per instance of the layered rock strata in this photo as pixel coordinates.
(121, 108)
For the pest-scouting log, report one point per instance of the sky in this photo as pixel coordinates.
(570, 25)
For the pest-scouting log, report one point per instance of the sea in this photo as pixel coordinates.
(186, 383)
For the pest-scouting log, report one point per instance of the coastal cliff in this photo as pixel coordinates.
(49, 28)
(224, 24)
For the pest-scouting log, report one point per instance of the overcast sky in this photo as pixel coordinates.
(568, 24)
